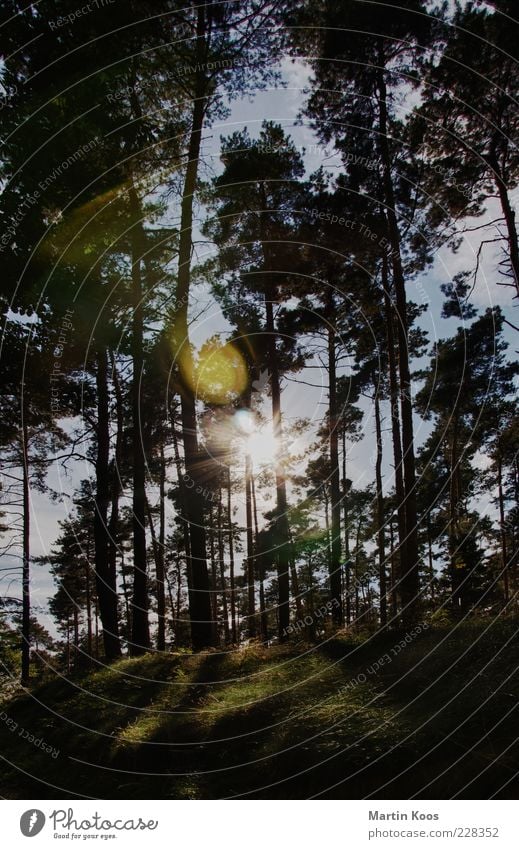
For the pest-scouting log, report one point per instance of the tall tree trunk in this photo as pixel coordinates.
(410, 573)
(182, 489)
(75, 616)
(214, 579)
(281, 521)
(113, 525)
(347, 564)
(199, 595)
(295, 581)
(395, 433)
(156, 557)
(126, 594)
(105, 579)
(68, 643)
(502, 525)
(96, 621)
(458, 586)
(251, 588)
(26, 557)
(161, 590)
(394, 572)
(310, 629)
(88, 609)
(328, 531)
(282, 529)
(261, 569)
(380, 513)
(232, 581)
(430, 554)
(140, 636)
(221, 563)
(335, 489)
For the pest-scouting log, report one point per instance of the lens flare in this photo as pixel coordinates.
(219, 375)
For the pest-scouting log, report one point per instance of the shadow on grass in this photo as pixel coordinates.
(438, 721)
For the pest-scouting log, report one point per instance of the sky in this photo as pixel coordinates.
(283, 104)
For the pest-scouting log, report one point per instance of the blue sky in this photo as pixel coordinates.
(283, 105)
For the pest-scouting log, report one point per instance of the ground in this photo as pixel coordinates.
(350, 718)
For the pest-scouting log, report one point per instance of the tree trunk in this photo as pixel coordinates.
(213, 594)
(26, 558)
(221, 562)
(396, 435)
(113, 525)
(458, 586)
(282, 529)
(347, 564)
(295, 581)
(140, 636)
(68, 644)
(182, 489)
(251, 589)
(380, 514)
(394, 573)
(335, 489)
(105, 579)
(88, 609)
(161, 590)
(261, 570)
(509, 216)
(126, 593)
(502, 525)
(156, 558)
(199, 595)
(232, 581)
(410, 573)
(76, 633)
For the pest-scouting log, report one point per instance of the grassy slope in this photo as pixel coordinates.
(276, 724)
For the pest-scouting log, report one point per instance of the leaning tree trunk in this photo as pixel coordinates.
(509, 216)
(106, 585)
(335, 488)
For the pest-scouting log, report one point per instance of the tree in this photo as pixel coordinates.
(256, 196)
(468, 121)
(465, 386)
(358, 79)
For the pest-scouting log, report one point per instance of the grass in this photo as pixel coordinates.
(436, 720)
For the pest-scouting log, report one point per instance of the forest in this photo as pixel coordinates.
(258, 395)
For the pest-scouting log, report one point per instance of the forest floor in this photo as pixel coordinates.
(436, 719)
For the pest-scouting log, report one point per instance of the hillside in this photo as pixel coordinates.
(438, 720)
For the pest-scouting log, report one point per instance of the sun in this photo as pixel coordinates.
(256, 437)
